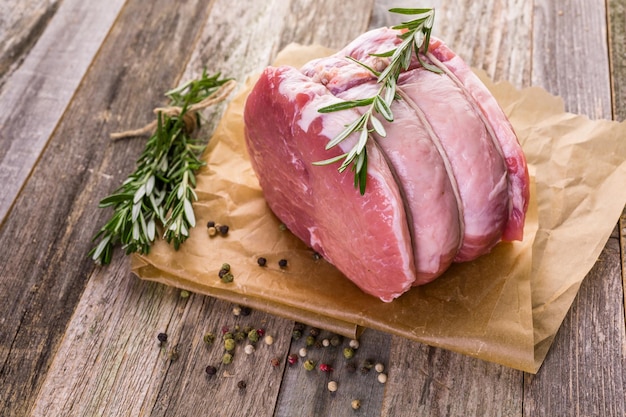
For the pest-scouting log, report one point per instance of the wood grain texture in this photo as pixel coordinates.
(21, 25)
(36, 94)
(180, 388)
(570, 54)
(45, 269)
(78, 340)
(584, 374)
(427, 381)
(305, 393)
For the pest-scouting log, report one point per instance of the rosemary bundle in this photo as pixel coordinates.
(415, 35)
(158, 195)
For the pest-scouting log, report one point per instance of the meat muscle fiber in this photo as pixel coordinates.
(447, 183)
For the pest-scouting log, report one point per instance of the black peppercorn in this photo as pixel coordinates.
(241, 384)
(245, 311)
(211, 370)
(282, 263)
(261, 261)
(223, 229)
(162, 337)
(314, 331)
(299, 327)
(210, 224)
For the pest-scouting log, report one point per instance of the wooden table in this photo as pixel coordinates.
(81, 340)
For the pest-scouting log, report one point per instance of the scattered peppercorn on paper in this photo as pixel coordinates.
(505, 307)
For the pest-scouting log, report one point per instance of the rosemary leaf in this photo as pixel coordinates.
(415, 35)
(160, 192)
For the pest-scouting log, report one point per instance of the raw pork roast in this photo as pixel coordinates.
(447, 183)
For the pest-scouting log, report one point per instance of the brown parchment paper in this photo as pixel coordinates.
(505, 307)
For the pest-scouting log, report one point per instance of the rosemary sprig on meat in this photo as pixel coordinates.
(415, 35)
(160, 192)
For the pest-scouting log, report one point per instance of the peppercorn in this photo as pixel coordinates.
(324, 367)
(210, 223)
(247, 329)
(227, 278)
(282, 263)
(379, 367)
(261, 261)
(302, 352)
(314, 331)
(249, 349)
(382, 378)
(275, 362)
(356, 404)
(292, 359)
(348, 352)
(211, 370)
(269, 340)
(209, 338)
(253, 336)
(241, 384)
(222, 272)
(332, 386)
(227, 358)
(261, 332)
(240, 336)
(162, 337)
(227, 335)
(229, 344)
(354, 344)
(309, 365)
(310, 340)
(212, 231)
(223, 229)
(184, 294)
(225, 330)
(335, 340)
(236, 310)
(299, 326)
(296, 334)
(367, 365)
(245, 311)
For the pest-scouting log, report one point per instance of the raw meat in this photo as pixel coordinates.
(446, 184)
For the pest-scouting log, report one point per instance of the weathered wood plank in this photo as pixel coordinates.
(584, 372)
(306, 393)
(426, 381)
(182, 388)
(21, 25)
(570, 57)
(34, 97)
(48, 232)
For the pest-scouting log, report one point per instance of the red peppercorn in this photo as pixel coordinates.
(275, 362)
(292, 359)
(260, 332)
(224, 330)
(324, 367)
